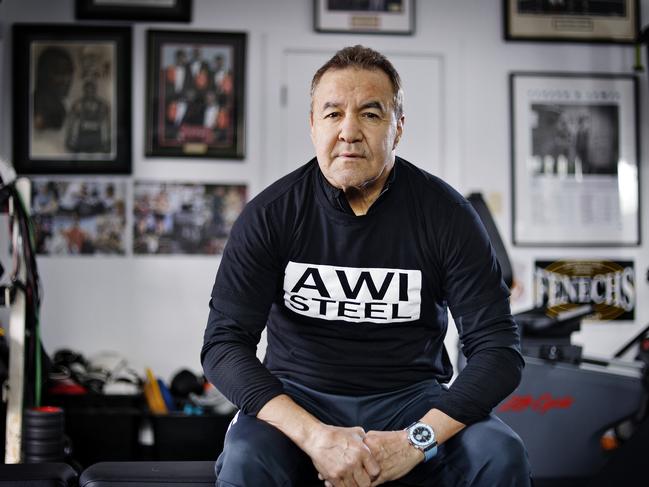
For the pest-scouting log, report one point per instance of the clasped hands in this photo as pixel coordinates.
(350, 457)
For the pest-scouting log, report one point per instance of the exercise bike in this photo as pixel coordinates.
(583, 420)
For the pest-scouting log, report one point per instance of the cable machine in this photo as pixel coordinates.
(21, 294)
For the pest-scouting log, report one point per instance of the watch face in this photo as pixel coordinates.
(421, 435)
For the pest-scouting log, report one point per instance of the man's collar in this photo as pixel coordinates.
(336, 196)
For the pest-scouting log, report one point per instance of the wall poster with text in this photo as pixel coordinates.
(574, 160)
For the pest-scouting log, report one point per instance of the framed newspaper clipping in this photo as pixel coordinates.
(610, 21)
(575, 159)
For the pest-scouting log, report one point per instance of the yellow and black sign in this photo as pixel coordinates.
(606, 284)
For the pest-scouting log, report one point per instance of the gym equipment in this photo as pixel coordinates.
(43, 435)
(154, 474)
(148, 474)
(37, 475)
(570, 410)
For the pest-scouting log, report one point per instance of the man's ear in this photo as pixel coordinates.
(399, 133)
(311, 126)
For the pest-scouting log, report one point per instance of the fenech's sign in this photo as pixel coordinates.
(606, 284)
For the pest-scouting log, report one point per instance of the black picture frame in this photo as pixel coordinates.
(395, 17)
(195, 94)
(575, 159)
(533, 20)
(177, 11)
(71, 99)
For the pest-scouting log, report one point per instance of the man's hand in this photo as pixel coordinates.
(394, 454)
(341, 457)
(339, 454)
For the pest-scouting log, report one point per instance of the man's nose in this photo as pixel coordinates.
(350, 130)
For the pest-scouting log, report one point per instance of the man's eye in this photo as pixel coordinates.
(370, 115)
(332, 115)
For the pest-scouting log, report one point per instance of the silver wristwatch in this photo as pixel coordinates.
(422, 437)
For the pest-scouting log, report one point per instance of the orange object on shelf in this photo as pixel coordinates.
(153, 395)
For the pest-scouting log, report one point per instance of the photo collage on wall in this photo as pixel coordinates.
(72, 135)
(76, 216)
(184, 218)
(79, 217)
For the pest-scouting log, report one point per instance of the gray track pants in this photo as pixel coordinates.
(487, 453)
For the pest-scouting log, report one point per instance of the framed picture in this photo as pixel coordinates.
(195, 99)
(142, 10)
(575, 159)
(76, 216)
(365, 16)
(72, 99)
(612, 21)
(184, 218)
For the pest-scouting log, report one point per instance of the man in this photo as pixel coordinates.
(54, 76)
(350, 262)
(178, 75)
(89, 123)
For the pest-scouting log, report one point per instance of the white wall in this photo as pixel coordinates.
(153, 309)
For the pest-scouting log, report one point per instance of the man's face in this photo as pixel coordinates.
(353, 126)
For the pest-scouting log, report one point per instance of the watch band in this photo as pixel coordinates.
(430, 453)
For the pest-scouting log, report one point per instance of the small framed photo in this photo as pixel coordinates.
(365, 16)
(611, 21)
(575, 160)
(138, 10)
(195, 99)
(184, 218)
(72, 99)
(79, 216)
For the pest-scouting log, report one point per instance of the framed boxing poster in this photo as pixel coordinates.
(365, 16)
(72, 99)
(195, 98)
(575, 159)
(610, 21)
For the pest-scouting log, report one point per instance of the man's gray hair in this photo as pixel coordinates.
(362, 57)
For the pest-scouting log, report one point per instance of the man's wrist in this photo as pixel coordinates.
(415, 453)
(292, 420)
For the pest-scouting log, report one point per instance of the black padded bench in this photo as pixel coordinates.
(37, 475)
(148, 474)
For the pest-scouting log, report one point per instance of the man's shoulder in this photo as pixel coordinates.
(428, 187)
(292, 185)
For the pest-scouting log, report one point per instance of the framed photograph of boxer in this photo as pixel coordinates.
(139, 10)
(195, 94)
(365, 16)
(610, 21)
(575, 163)
(72, 99)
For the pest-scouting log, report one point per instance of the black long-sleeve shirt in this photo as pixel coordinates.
(358, 304)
